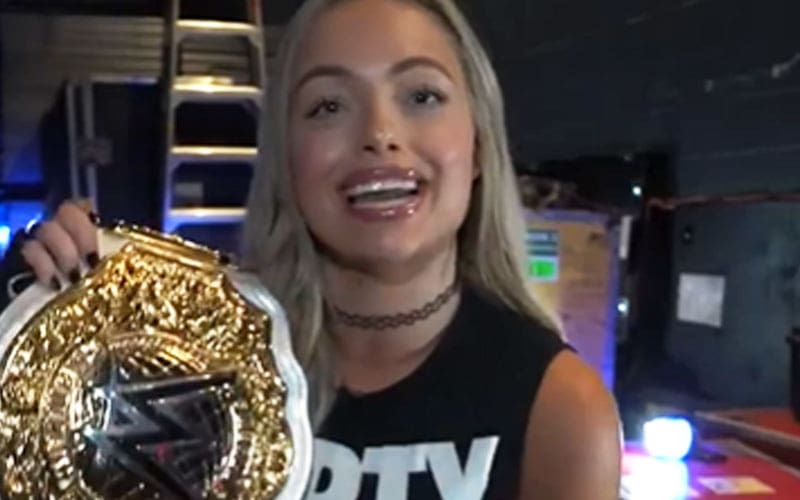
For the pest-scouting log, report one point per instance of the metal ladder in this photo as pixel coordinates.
(199, 89)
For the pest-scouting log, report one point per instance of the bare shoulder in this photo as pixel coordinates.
(573, 441)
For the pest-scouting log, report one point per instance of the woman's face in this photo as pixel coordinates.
(381, 134)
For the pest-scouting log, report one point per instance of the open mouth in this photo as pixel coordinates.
(384, 193)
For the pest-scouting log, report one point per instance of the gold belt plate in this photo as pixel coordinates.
(161, 374)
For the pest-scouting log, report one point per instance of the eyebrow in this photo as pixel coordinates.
(336, 71)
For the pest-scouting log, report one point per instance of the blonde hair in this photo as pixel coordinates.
(279, 247)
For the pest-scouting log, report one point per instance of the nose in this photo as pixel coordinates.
(381, 130)
(381, 141)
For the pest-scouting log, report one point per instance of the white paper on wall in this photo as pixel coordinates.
(701, 298)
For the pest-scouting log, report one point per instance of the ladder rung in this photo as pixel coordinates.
(203, 27)
(203, 215)
(215, 92)
(212, 154)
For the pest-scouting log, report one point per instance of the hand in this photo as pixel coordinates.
(60, 246)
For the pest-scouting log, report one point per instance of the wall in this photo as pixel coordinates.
(757, 250)
(41, 52)
(716, 83)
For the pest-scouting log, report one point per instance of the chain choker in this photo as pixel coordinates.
(392, 321)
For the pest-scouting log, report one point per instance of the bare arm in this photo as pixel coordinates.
(573, 442)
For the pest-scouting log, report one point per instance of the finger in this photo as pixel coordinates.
(84, 204)
(77, 223)
(61, 247)
(87, 206)
(40, 260)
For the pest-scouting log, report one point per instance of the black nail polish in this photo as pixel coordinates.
(94, 218)
(225, 259)
(55, 284)
(31, 232)
(92, 259)
(75, 275)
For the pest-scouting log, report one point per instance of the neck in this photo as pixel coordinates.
(388, 293)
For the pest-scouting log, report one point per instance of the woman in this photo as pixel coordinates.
(387, 222)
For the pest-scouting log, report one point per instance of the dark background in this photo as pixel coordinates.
(711, 87)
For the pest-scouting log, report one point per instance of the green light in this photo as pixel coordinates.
(543, 269)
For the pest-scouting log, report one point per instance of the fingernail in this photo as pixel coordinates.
(75, 275)
(224, 259)
(94, 218)
(55, 284)
(92, 259)
(30, 233)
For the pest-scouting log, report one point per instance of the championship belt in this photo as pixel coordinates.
(163, 373)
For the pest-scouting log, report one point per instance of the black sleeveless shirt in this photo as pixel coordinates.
(452, 430)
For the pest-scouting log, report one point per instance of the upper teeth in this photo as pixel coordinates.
(383, 185)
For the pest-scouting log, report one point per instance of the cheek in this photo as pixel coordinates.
(452, 149)
(455, 151)
(307, 154)
(312, 159)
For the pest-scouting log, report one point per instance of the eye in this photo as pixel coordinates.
(324, 108)
(426, 97)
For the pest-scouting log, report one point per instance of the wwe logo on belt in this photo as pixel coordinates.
(161, 438)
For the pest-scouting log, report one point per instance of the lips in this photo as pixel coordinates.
(383, 193)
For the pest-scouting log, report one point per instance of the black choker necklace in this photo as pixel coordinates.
(391, 321)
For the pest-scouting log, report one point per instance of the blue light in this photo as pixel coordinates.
(668, 438)
(5, 237)
(649, 478)
(623, 306)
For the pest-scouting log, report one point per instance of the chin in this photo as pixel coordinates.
(399, 255)
(393, 246)
(388, 252)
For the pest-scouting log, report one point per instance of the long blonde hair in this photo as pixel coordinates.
(277, 243)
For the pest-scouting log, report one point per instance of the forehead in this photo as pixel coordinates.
(375, 33)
